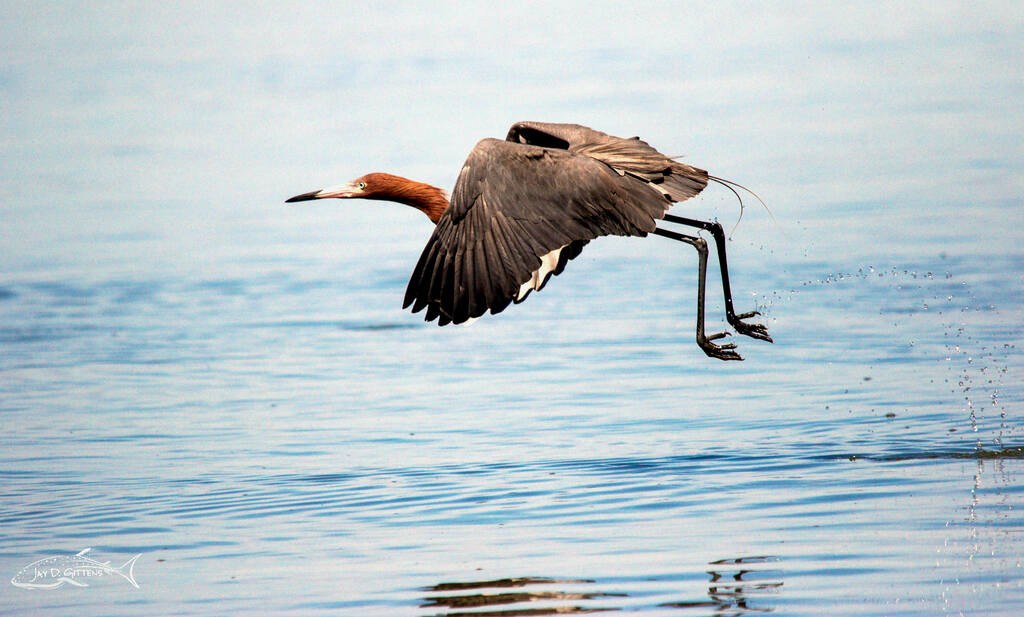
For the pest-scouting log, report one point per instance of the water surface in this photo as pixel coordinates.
(193, 371)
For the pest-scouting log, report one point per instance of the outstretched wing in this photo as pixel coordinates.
(677, 181)
(518, 213)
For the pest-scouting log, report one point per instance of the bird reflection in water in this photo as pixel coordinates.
(736, 585)
(730, 592)
(462, 600)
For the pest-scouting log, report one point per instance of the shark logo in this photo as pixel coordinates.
(54, 572)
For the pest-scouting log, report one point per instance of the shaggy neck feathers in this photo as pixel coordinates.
(428, 199)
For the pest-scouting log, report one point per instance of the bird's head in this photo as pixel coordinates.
(429, 199)
(364, 186)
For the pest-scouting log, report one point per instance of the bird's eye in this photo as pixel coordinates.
(362, 185)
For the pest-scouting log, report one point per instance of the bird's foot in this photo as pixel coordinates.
(722, 352)
(753, 330)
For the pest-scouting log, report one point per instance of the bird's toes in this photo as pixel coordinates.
(757, 331)
(763, 335)
(722, 352)
(753, 330)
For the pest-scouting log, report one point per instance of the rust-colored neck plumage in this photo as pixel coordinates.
(428, 199)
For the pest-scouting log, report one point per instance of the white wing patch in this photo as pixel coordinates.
(548, 263)
(664, 193)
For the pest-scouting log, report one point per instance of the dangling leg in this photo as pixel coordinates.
(757, 331)
(722, 352)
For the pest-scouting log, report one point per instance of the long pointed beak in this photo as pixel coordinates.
(304, 197)
(341, 192)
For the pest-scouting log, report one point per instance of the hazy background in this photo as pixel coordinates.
(191, 370)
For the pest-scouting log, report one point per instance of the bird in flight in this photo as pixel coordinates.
(523, 207)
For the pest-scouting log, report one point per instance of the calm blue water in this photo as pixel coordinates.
(193, 371)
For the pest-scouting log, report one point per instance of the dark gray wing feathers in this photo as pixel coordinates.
(632, 155)
(548, 188)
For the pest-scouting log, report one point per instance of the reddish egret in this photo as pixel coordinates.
(523, 207)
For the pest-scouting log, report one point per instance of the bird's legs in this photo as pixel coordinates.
(722, 352)
(757, 331)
